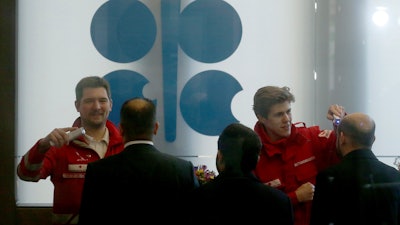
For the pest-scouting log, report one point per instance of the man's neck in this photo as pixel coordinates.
(97, 133)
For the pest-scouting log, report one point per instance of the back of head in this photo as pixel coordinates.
(91, 82)
(359, 128)
(240, 147)
(138, 119)
(268, 96)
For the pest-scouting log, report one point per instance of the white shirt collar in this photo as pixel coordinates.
(138, 142)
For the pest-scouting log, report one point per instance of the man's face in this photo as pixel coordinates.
(94, 107)
(279, 121)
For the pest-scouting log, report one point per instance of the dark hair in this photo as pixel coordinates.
(138, 117)
(268, 96)
(91, 82)
(240, 147)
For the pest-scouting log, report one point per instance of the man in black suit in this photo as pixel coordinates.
(236, 195)
(360, 190)
(140, 184)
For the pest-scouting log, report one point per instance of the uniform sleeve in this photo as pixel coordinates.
(31, 166)
(325, 149)
(293, 197)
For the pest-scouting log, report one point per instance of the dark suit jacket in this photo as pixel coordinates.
(359, 190)
(240, 199)
(139, 184)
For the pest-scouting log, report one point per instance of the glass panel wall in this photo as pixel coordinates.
(357, 64)
(326, 51)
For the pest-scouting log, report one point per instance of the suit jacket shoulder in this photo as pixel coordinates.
(359, 190)
(140, 175)
(242, 198)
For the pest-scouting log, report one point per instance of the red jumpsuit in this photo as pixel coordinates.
(66, 167)
(290, 162)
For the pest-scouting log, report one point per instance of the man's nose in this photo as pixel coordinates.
(286, 117)
(97, 104)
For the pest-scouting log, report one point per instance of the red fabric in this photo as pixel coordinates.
(290, 162)
(66, 168)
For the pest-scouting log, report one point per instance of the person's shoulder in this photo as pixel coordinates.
(107, 161)
(392, 172)
(174, 158)
(171, 162)
(302, 127)
(276, 201)
(335, 169)
(271, 190)
(314, 132)
(253, 186)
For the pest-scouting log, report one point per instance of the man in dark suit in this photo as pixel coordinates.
(236, 195)
(140, 183)
(360, 190)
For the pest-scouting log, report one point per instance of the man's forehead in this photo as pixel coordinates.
(92, 90)
(280, 107)
(98, 92)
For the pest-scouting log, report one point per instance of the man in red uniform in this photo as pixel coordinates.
(65, 161)
(292, 154)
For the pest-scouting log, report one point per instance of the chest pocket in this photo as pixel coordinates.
(306, 169)
(305, 164)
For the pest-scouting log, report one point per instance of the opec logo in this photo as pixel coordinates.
(208, 31)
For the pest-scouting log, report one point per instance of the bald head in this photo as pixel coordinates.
(356, 130)
(138, 119)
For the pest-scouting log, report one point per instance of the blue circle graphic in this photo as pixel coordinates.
(123, 30)
(206, 101)
(209, 30)
(124, 84)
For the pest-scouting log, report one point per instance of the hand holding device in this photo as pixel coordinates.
(72, 135)
(336, 120)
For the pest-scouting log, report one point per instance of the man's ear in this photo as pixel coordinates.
(342, 138)
(219, 155)
(220, 161)
(156, 125)
(77, 104)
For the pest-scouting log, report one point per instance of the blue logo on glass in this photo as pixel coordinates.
(208, 31)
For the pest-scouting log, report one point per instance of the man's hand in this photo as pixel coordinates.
(336, 110)
(305, 192)
(57, 138)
